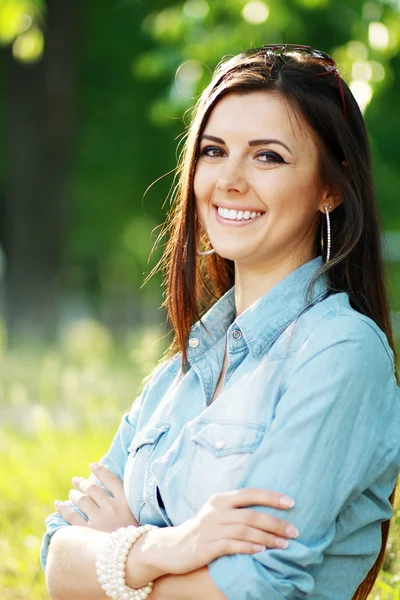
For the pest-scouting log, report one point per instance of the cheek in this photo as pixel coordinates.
(200, 197)
(203, 181)
(296, 194)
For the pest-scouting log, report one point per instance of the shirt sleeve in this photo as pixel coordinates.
(332, 435)
(114, 460)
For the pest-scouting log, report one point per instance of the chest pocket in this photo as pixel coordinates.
(140, 453)
(148, 436)
(220, 453)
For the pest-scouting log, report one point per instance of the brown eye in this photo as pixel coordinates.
(206, 151)
(271, 157)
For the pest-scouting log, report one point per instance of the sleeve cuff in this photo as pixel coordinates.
(53, 523)
(242, 577)
(44, 549)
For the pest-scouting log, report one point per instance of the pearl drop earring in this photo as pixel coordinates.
(206, 252)
(328, 233)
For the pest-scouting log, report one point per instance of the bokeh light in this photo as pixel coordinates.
(362, 91)
(378, 36)
(361, 71)
(196, 9)
(255, 12)
(29, 46)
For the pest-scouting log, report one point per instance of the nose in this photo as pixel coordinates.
(232, 178)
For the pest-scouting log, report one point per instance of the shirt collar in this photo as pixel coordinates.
(262, 322)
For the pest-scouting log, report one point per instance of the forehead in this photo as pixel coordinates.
(258, 115)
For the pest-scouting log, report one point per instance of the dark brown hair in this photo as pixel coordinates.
(356, 265)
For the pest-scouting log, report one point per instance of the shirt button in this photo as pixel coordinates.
(236, 334)
(193, 342)
(220, 443)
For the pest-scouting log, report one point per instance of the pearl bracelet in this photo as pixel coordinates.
(111, 564)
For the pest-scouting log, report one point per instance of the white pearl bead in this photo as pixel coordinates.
(111, 564)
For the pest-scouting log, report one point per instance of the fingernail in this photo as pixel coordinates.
(292, 531)
(282, 543)
(75, 480)
(259, 548)
(93, 465)
(57, 503)
(286, 501)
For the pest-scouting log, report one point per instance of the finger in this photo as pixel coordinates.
(259, 520)
(252, 497)
(244, 533)
(228, 546)
(98, 494)
(83, 502)
(69, 514)
(111, 481)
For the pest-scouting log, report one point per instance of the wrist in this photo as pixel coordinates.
(141, 563)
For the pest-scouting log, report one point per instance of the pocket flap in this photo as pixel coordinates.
(148, 435)
(230, 438)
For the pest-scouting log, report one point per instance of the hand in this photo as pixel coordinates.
(104, 512)
(221, 527)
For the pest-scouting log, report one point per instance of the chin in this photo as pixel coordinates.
(232, 253)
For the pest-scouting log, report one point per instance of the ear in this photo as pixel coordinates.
(331, 199)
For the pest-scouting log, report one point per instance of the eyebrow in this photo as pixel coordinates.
(251, 142)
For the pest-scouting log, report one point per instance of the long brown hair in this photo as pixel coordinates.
(356, 265)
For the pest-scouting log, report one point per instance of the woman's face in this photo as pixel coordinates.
(256, 184)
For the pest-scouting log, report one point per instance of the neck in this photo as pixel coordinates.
(251, 284)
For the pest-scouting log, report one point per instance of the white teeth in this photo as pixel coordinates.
(237, 215)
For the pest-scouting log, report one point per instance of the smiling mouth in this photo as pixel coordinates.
(237, 216)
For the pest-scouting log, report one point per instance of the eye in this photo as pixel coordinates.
(208, 149)
(271, 157)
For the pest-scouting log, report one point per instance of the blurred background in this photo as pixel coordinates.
(94, 99)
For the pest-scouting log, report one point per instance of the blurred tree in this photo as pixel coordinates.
(39, 129)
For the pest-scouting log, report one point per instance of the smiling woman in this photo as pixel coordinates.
(279, 390)
(269, 188)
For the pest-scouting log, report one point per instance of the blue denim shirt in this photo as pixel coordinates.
(310, 408)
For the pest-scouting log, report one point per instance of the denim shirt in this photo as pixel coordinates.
(310, 408)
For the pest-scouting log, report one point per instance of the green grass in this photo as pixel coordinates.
(59, 410)
(36, 470)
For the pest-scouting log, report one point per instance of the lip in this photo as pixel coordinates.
(231, 222)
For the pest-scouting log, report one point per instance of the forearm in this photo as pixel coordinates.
(71, 564)
(141, 568)
(71, 570)
(196, 585)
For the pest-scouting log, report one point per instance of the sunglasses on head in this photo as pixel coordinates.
(323, 59)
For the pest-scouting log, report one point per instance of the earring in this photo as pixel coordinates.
(206, 252)
(328, 234)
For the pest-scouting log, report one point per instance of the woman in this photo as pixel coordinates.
(287, 386)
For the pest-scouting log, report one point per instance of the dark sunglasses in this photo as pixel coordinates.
(323, 59)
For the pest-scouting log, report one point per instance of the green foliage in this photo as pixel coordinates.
(20, 25)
